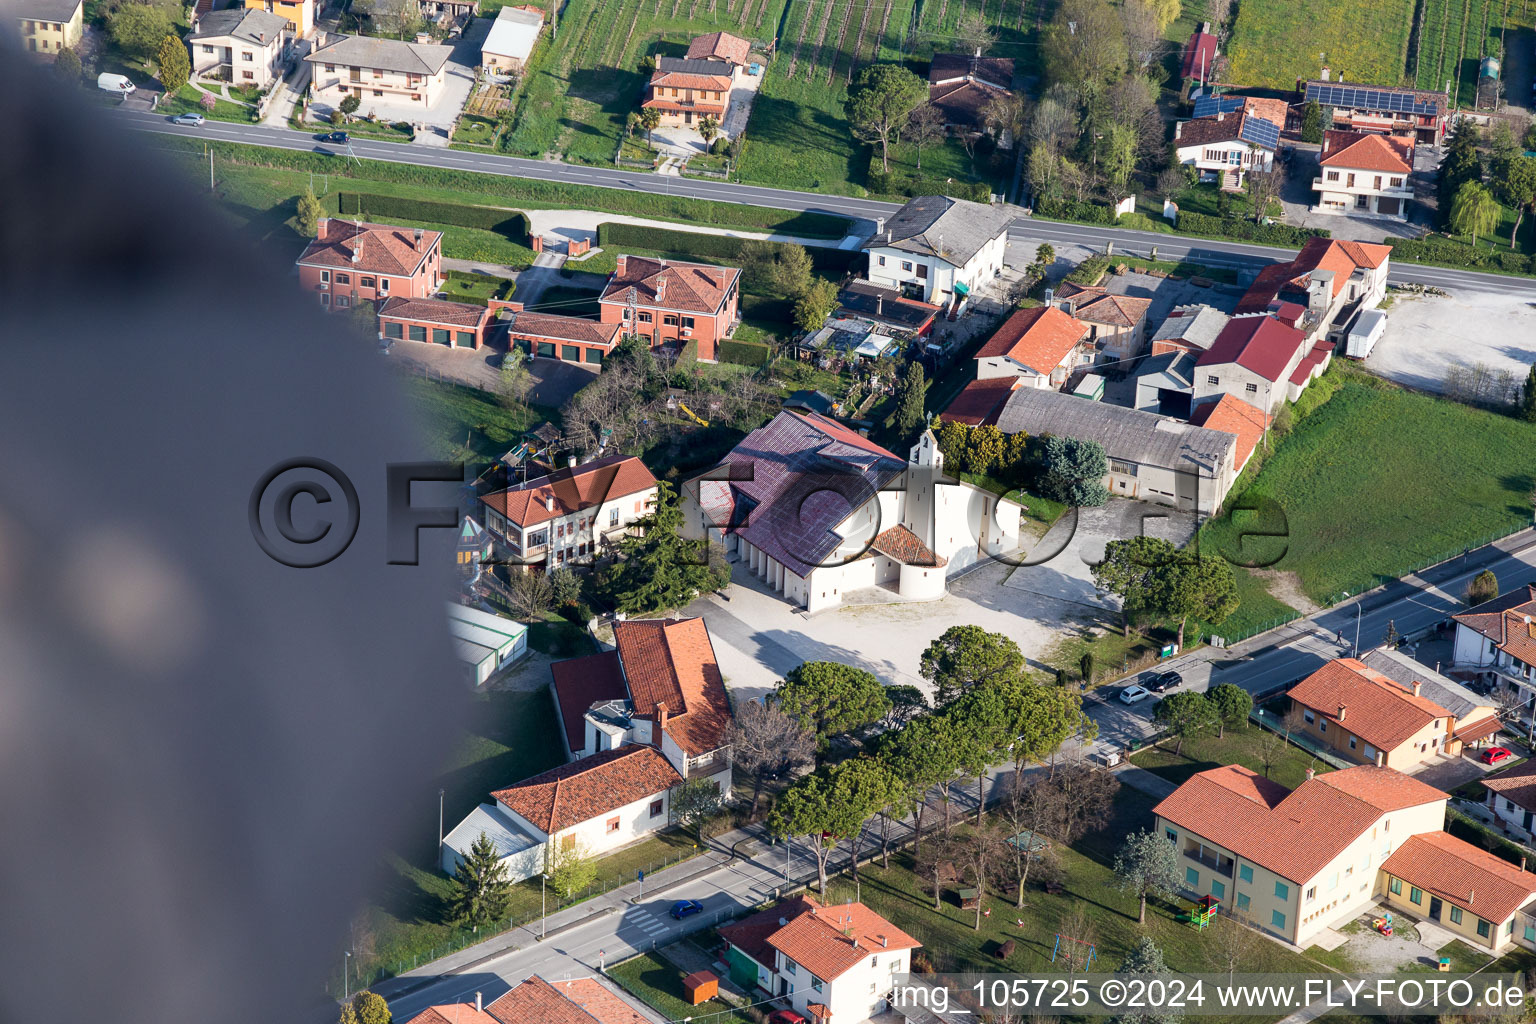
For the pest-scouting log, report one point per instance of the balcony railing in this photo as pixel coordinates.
(1210, 861)
(709, 764)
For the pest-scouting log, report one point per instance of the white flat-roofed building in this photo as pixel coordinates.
(485, 643)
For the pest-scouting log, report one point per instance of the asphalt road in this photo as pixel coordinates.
(1213, 253)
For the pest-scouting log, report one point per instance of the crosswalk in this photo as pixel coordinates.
(646, 922)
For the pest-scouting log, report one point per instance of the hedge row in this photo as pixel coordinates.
(722, 247)
(744, 353)
(888, 183)
(1088, 272)
(1066, 209)
(1453, 254)
(508, 223)
(688, 357)
(529, 193)
(1247, 230)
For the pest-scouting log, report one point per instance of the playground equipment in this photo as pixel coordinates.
(1070, 949)
(1383, 924)
(1203, 912)
(693, 415)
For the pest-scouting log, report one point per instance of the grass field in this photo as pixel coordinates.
(450, 414)
(1275, 42)
(1238, 746)
(1453, 39)
(659, 984)
(1378, 481)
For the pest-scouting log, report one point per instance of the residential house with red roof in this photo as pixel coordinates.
(819, 511)
(1294, 862)
(1425, 113)
(450, 324)
(685, 91)
(1364, 174)
(960, 85)
(981, 401)
(1117, 324)
(1368, 718)
(1479, 897)
(668, 301)
(1199, 54)
(569, 515)
(832, 964)
(1041, 347)
(1323, 289)
(1225, 147)
(1254, 359)
(348, 262)
(571, 339)
(723, 48)
(1496, 642)
(1511, 799)
(568, 1001)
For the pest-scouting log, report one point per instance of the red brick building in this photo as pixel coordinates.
(672, 301)
(573, 339)
(351, 261)
(454, 324)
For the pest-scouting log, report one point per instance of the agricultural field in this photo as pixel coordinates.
(1453, 37)
(1275, 42)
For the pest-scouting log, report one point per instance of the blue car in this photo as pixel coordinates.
(683, 908)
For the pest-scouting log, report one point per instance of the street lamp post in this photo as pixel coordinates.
(346, 976)
(440, 816)
(787, 843)
(542, 910)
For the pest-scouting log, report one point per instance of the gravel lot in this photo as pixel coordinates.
(1425, 336)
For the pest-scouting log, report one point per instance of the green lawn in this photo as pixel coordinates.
(379, 131)
(559, 638)
(1114, 653)
(1275, 42)
(189, 100)
(462, 286)
(1378, 481)
(660, 985)
(1238, 746)
(450, 413)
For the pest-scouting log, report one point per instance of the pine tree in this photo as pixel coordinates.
(1393, 639)
(309, 213)
(1528, 399)
(1146, 961)
(659, 569)
(481, 889)
(909, 398)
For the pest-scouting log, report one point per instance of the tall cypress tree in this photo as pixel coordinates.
(1528, 400)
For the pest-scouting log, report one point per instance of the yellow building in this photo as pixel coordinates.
(300, 13)
(1368, 718)
(1461, 888)
(48, 26)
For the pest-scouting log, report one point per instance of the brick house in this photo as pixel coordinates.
(572, 339)
(672, 301)
(568, 516)
(1041, 346)
(386, 71)
(353, 261)
(1364, 173)
(453, 324)
(684, 91)
(238, 45)
(1117, 324)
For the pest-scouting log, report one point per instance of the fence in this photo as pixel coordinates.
(1230, 638)
(1269, 720)
(1369, 582)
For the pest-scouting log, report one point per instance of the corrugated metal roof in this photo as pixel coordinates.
(1126, 434)
(502, 831)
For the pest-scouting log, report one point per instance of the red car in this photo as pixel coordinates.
(1493, 755)
(785, 1017)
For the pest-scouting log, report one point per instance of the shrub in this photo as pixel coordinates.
(719, 145)
(1444, 252)
(1247, 230)
(688, 357)
(1089, 271)
(892, 184)
(744, 353)
(1066, 209)
(510, 223)
(722, 247)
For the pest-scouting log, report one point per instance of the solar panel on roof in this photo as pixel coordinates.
(1210, 106)
(1260, 132)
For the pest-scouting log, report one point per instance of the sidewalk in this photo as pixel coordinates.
(579, 224)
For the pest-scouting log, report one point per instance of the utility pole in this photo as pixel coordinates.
(542, 911)
(440, 816)
(210, 168)
(346, 976)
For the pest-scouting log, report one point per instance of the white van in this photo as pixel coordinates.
(115, 83)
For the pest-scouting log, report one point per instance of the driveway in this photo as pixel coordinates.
(1297, 197)
(458, 81)
(684, 141)
(554, 382)
(1428, 335)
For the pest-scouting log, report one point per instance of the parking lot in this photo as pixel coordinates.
(1427, 335)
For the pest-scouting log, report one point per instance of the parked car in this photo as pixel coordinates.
(1133, 693)
(115, 83)
(1162, 682)
(337, 137)
(1496, 755)
(686, 908)
(785, 1017)
(189, 118)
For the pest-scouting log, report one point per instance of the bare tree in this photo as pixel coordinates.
(925, 126)
(1231, 943)
(981, 850)
(1219, 12)
(768, 744)
(936, 863)
(1143, 34)
(1270, 748)
(1264, 185)
(973, 33)
(1064, 805)
(1004, 117)
(1054, 125)
(530, 592)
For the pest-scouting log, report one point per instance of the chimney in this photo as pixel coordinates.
(661, 289)
(883, 942)
(1417, 686)
(879, 304)
(321, 225)
(549, 502)
(1221, 115)
(1311, 774)
(1325, 143)
(1325, 74)
(417, 243)
(1178, 130)
(1342, 709)
(1522, 863)
(570, 462)
(479, 1003)
(1471, 895)
(618, 265)
(661, 718)
(978, 51)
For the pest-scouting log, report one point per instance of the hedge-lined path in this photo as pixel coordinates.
(582, 224)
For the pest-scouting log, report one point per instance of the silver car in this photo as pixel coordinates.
(190, 119)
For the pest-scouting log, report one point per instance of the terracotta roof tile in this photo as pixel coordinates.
(906, 547)
(1039, 338)
(526, 324)
(585, 487)
(1258, 343)
(453, 1013)
(828, 941)
(582, 682)
(695, 287)
(1338, 255)
(1378, 710)
(1517, 784)
(719, 45)
(577, 1001)
(1238, 418)
(380, 248)
(582, 790)
(1096, 305)
(454, 314)
(1462, 874)
(1367, 151)
(672, 662)
(1509, 621)
(981, 401)
(1296, 833)
(750, 934)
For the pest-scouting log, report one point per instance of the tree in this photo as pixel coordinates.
(366, 1008)
(776, 267)
(650, 120)
(1143, 34)
(1147, 865)
(658, 569)
(709, 127)
(983, 721)
(925, 126)
(907, 702)
(1074, 471)
(1230, 943)
(953, 437)
(1474, 211)
(880, 102)
(1202, 587)
(767, 743)
(1063, 806)
(815, 305)
(570, 869)
(67, 65)
(564, 587)
(1461, 164)
(350, 103)
(910, 392)
(1126, 571)
(1312, 122)
(1515, 181)
(1528, 397)
(865, 786)
(1004, 117)
(935, 862)
(1485, 585)
(1392, 639)
(965, 656)
(693, 804)
(922, 755)
(1085, 51)
(1146, 961)
(1232, 704)
(513, 381)
(1185, 714)
(1502, 144)
(981, 850)
(530, 592)
(1085, 667)
(139, 29)
(1116, 151)
(1045, 256)
(831, 699)
(308, 214)
(985, 448)
(631, 123)
(974, 34)
(816, 808)
(175, 65)
(1167, 11)
(1264, 185)
(481, 888)
(1270, 748)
